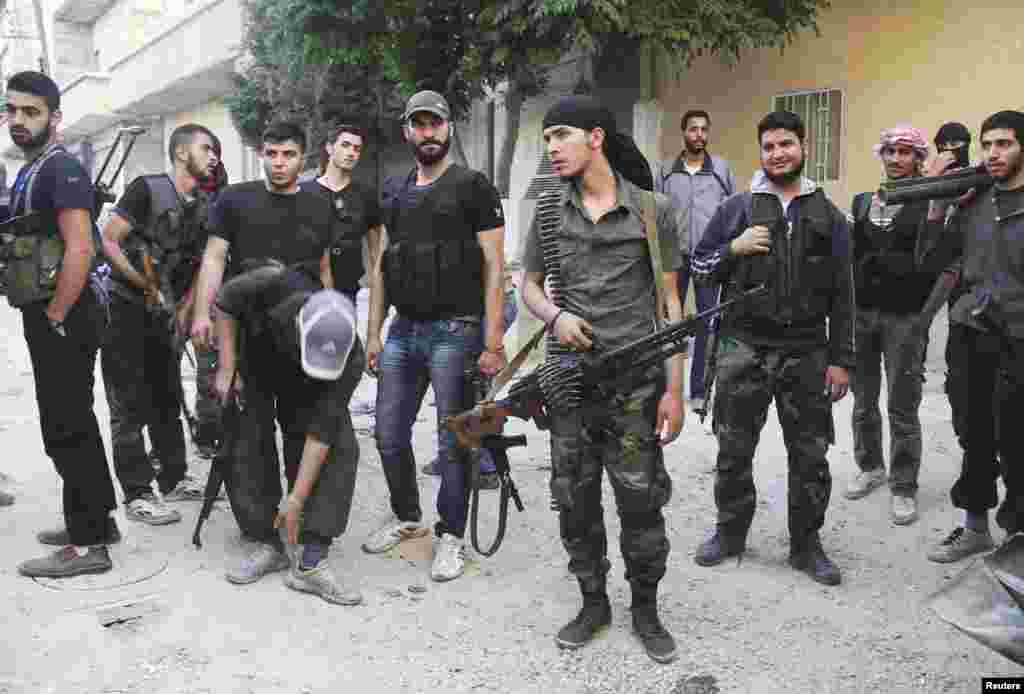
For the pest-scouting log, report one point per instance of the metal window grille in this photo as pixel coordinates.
(821, 112)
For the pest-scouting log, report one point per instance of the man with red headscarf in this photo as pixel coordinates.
(891, 289)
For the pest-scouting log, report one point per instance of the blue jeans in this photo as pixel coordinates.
(416, 350)
(706, 298)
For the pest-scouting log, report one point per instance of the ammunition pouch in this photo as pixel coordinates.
(34, 256)
(435, 279)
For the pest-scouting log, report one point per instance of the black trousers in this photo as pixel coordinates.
(63, 368)
(275, 385)
(143, 383)
(992, 438)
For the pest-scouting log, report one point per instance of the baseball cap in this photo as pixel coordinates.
(327, 331)
(428, 101)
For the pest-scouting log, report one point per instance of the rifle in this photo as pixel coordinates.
(710, 366)
(497, 446)
(103, 194)
(231, 414)
(596, 376)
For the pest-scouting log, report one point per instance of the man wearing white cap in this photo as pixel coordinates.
(316, 330)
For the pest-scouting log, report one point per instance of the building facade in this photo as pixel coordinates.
(151, 63)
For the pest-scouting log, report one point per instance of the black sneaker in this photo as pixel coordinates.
(718, 548)
(594, 616)
(813, 561)
(61, 538)
(658, 643)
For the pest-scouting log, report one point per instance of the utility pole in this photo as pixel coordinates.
(44, 53)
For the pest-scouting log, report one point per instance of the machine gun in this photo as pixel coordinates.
(950, 185)
(596, 376)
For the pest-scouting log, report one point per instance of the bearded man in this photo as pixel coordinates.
(442, 268)
(793, 342)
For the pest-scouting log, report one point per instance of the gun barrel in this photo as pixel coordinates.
(949, 185)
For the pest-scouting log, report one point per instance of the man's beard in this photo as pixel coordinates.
(37, 141)
(786, 178)
(1012, 170)
(200, 173)
(695, 148)
(427, 158)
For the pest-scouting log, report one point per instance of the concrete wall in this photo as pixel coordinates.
(922, 62)
(74, 51)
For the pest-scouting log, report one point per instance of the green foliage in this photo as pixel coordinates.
(328, 60)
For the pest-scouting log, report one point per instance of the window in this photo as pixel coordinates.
(822, 113)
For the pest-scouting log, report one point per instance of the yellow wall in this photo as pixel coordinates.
(239, 160)
(921, 62)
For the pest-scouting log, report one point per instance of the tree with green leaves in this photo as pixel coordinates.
(310, 56)
(470, 48)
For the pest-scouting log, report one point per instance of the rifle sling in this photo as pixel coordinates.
(654, 248)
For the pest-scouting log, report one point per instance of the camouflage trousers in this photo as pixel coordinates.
(620, 439)
(749, 377)
(879, 339)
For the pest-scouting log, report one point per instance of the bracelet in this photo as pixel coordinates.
(551, 325)
(500, 350)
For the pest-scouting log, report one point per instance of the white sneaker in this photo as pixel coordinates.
(865, 482)
(189, 489)
(449, 558)
(151, 510)
(390, 534)
(709, 425)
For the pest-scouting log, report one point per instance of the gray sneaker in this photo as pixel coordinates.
(904, 509)
(151, 510)
(865, 482)
(962, 542)
(320, 580)
(391, 533)
(6, 498)
(65, 563)
(262, 560)
(61, 537)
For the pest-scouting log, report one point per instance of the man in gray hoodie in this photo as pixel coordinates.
(698, 181)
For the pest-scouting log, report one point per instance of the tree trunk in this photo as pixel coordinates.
(513, 113)
(457, 150)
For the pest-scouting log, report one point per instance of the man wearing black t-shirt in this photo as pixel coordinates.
(355, 205)
(260, 221)
(141, 368)
(442, 269)
(48, 246)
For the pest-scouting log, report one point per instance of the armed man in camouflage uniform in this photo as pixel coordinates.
(607, 297)
(794, 342)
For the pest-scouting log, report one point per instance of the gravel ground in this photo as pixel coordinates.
(749, 626)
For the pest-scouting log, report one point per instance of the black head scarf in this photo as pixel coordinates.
(623, 155)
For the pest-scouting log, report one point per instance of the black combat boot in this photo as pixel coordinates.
(658, 643)
(810, 558)
(720, 547)
(594, 616)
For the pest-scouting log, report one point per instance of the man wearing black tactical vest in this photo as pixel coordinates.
(793, 343)
(442, 268)
(162, 218)
(356, 205)
(48, 245)
(259, 221)
(891, 289)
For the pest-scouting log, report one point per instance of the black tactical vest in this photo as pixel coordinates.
(31, 243)
(434, 266)
(174, 237)
(885, 271)
(799, 272)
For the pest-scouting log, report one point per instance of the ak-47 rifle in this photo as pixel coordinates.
(231, 414)
(595, 376)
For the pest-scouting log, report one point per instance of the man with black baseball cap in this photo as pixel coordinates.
(442, 269)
